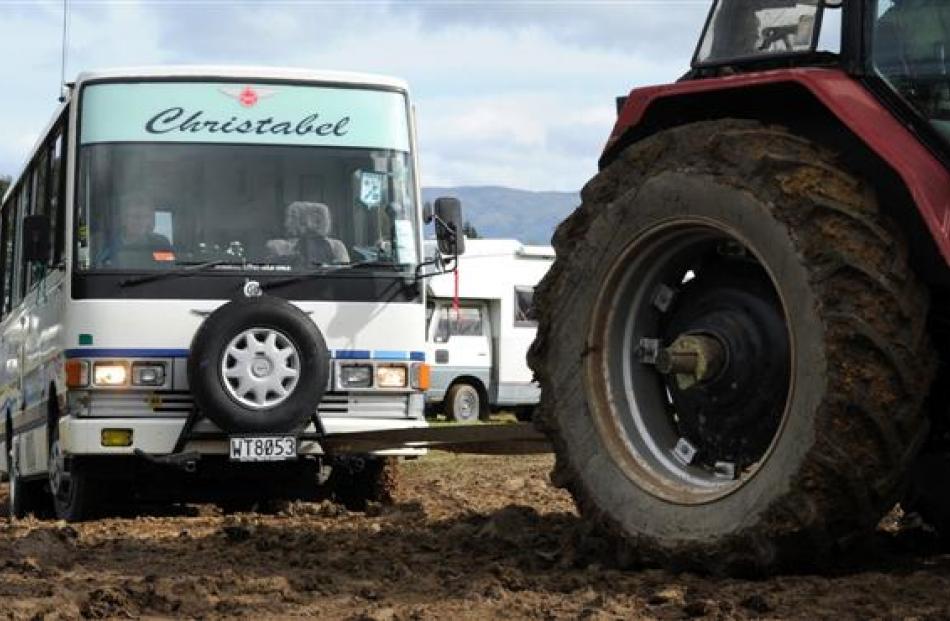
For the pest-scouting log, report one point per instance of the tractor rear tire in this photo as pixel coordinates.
(928, 493)
(758, 228)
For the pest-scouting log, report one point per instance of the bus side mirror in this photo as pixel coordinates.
(448, 226)
(36, 239)
(427, 213)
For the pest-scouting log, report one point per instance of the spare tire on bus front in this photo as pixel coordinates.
(258, 365)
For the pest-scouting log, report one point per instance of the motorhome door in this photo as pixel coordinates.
(460, 338)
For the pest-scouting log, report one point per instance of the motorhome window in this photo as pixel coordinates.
(525, 314)
(464, 321)
(430, 311)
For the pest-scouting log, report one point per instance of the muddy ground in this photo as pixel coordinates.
(469, 538)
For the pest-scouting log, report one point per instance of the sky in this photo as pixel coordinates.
(517, 93)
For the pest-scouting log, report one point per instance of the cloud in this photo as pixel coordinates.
(30, 35)
(520, 140)
(518, 93)
(631, 26)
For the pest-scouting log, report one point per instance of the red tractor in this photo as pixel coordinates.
(743, 342)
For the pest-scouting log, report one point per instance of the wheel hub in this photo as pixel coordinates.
(260, 368)
(729, 335)
(692, 358)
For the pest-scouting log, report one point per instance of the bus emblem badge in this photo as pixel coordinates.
(247, 96)
(252, 289)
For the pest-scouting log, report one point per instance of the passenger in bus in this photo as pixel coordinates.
(136, 245)
(308, 243)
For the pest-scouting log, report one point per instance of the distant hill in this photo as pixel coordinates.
(501, 212)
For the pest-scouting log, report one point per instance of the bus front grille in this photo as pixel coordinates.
(175, 404)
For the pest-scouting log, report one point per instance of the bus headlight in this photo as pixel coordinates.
(392, 376)
(148, 374)
(356, 376)
(110, 374)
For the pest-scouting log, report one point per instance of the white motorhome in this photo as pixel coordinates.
(201, 267)
(477, 347)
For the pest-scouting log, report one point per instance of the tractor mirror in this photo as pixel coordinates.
(36, 231)
(448, 226)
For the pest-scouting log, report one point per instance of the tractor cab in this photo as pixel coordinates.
(899, 48)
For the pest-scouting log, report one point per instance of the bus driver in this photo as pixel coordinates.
(136, 245)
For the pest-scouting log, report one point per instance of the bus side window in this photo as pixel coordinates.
(23, 210)
(40, 169)
(57, 195)
(8, 230)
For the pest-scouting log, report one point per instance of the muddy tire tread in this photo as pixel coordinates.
(880, 362)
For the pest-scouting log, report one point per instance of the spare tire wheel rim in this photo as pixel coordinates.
(260, 368)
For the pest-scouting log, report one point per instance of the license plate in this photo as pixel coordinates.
(263, 448)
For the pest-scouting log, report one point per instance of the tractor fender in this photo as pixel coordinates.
(776, 96)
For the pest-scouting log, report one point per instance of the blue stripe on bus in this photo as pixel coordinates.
(352, 354)
(126, 353)
(340, 354)
(390, 355)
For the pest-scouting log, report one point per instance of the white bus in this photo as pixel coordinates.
(148, 253)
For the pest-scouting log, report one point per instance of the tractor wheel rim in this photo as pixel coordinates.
(661, 427)
(260, 368)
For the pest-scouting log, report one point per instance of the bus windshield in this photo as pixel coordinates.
(251, 178)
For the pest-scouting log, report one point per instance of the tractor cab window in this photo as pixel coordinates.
(750, 29)
(911, 53)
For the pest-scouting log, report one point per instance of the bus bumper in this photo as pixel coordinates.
(159, 436)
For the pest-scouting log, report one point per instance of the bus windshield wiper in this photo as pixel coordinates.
(367, 263)
(330, 269)
(193, 268)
